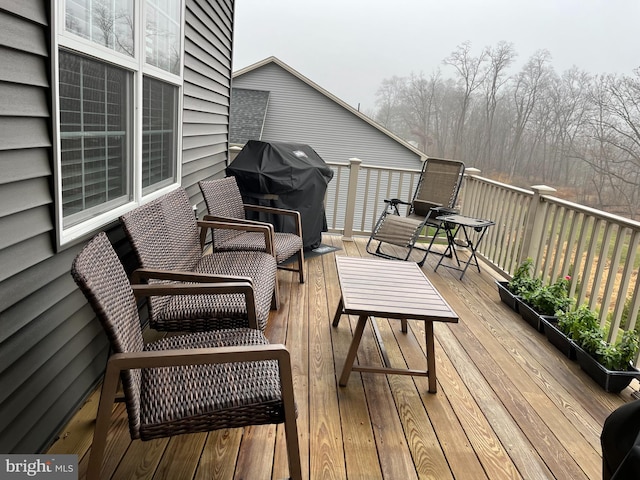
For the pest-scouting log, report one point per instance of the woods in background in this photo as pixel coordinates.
(577, 132)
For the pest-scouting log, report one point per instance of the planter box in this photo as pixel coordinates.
(530, 315)
(612, 381)
(557, 338)
(507, 297)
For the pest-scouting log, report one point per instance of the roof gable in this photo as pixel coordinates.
(273, 60)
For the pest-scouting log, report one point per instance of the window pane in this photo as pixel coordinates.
(105, 22)
(94, 138)
(162, 37)
(159, 127)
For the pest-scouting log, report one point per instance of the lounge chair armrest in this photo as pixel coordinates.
(272, 210)
(265, 228)
(241, 221)
(141, 274)
(198, 356)
(395, 201)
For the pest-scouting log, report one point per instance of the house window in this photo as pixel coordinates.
(119, 85)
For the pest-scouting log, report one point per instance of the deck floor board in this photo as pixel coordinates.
(509, 405)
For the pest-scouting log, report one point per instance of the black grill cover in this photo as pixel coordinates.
(285, 175)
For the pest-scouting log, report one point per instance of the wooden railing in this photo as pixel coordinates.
(599, 251)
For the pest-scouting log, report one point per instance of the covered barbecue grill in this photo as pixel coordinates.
(285, 175)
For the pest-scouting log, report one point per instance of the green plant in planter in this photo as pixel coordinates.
(582, 326)
(617, 356)
(573, 322)
(551, 299)
(523, 281)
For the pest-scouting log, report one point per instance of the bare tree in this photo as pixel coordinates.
(500, 59)
(470, 76)
(527, 86)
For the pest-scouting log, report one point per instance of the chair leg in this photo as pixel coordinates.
(103, 420)
(290, 425)
(301, 265)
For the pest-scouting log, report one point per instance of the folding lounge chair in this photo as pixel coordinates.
(224, 203)
(165, 236)
(218, 379)
(435, 195)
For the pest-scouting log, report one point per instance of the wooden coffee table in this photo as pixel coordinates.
(390, 289)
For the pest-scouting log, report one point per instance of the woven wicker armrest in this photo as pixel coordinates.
(264, 228)
(141, 274)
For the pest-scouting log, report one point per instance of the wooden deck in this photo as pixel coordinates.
(508, 406)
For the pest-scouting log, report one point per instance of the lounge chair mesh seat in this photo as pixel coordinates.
(165, 236)
(224, 201)
(165, 398)
(435, 195)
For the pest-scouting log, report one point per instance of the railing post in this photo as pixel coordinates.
(466, 191)
(352, 189)
(534, 224)
(233, 153)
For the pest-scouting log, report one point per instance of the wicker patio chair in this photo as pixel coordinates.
(435, 195)
(164, 234)
(218, 379)
(224, 203)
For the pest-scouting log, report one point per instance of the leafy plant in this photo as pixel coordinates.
(573, 322)
(523, 281)
(582, 326)
(550, 299)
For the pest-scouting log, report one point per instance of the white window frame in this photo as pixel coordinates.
(66, 237)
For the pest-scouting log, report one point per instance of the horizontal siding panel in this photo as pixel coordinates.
(33, 10)
(209, 92)
(215, 24)
(19, 227)
(20, 68)
(192, 117)
(209, 33)
(21, 35)
(202, 163)
(206, 76)
(23, 101)
(194, 51)
(84, 351)
(20, 314)
(210, 44)
(74, 384)
(22, 196)
(203, 141)
(202, 152)
(199, 105)
(42, 333)
(16, 258)
(12, 133)
(334, 132)
(17, 165)
(29, 281)
(197, 129)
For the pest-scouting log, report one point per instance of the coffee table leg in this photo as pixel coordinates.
(431, 358)
(353, 350)
(339, 311)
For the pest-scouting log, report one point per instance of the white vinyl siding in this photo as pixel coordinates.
(299, 113)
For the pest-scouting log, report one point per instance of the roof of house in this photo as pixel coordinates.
(248, 110)
(324, 92)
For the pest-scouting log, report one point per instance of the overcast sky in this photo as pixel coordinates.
(349, 46)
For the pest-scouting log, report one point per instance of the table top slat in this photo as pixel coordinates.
(390, 289)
